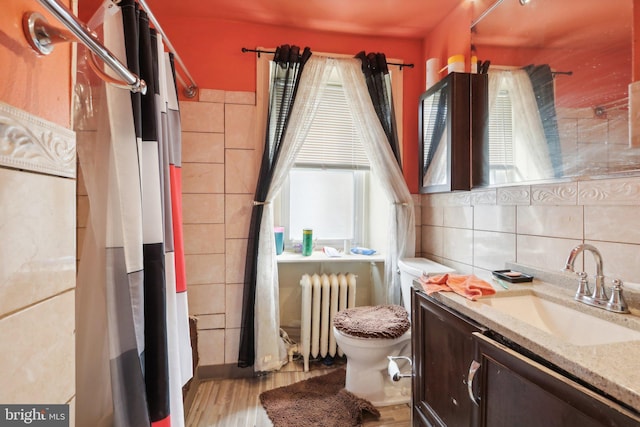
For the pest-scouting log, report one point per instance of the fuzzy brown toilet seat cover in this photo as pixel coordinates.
(379, 321)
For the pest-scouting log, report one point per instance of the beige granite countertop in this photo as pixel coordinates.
(612, 368)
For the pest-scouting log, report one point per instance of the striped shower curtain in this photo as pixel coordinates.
(133, 348)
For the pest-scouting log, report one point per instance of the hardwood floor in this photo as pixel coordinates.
(235, 403)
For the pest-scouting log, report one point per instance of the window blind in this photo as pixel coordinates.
(332, 140)
(501, 131)
(429, 113)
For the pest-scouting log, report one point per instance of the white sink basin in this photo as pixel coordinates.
(566, 323)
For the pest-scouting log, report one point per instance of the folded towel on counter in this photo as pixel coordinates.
(469, 286)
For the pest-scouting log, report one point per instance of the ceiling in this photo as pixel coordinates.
(509, 24)
(556, 24)
(388, 18)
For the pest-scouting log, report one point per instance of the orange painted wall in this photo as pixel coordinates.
(608, 71)
(636, 40)
(212, 51)
(451, 37)
(37, 84)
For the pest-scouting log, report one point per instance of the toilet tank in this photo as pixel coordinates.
(413, 268)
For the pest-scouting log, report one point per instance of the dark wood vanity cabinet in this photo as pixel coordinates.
(443, 349)
(514, 390)
(508, 388)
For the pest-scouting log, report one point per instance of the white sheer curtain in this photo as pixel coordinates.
(271, 353)
(402, 230)
(531, 155)
(270, 349)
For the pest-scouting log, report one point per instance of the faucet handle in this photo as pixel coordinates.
(583, 285)
(616, 302)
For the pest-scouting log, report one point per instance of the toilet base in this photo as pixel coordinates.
(387, 392)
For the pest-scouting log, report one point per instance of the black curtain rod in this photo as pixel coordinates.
(245, 50)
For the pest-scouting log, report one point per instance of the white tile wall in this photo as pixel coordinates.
(231, 344)
(432, 215)
(458, 245)
(37, 361)
(548, 253)
(458, 216)
(219, 177)
(607, 223)
(206, 299)
(202, 147)
(620, 260)
(37, 259)
(494, 218)
(37, 223)
(536, 225)
(491, 250)
(211, 321)
(211, 348)
(432, 240)
(551, 221)
(233, 304)
(203, 269)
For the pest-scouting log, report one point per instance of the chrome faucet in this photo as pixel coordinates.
(599, 296)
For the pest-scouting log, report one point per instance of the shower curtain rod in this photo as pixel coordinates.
(484, 14)
(42, 36)
(509, 68)
(258, 51)
(190, 89)
(564, 73)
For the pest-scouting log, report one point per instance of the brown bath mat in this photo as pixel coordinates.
(318, 401)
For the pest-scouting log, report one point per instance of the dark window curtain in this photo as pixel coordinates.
(542, 81)
(374, 67)
(289, 63)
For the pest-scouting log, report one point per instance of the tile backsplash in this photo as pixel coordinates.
(536, 225)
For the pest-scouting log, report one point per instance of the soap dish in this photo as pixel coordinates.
(512, 276)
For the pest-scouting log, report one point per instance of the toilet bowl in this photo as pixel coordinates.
(367, 366)
(367, 355)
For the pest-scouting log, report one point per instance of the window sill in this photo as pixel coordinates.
(319, 256)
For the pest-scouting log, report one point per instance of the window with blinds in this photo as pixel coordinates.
(501, 132)
(333, 140)
(430, 113)
(326, 188)
(329, 188)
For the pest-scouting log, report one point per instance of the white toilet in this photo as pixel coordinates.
(367, 357)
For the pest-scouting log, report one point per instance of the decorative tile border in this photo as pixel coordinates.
(483, 197)
(458, 199)
(31, 143)
(462, 198)
(617, 191)
(520, 195)
(554, 194)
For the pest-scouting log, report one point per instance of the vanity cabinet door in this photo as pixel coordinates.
(514, 390)
(443, 347)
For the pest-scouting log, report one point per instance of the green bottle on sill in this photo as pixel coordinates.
(307, 242)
